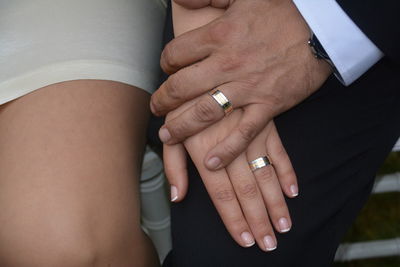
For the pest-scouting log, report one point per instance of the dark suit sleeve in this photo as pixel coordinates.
(379, 20)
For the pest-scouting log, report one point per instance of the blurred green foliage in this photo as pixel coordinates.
(379, 219)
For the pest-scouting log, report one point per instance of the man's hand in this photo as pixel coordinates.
(256, 54)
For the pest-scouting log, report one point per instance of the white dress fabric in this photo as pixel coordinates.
(43, 42)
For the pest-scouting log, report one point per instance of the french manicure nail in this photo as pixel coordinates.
(247, 239)
(164, 135)
(174, 193)
(294, 190)
(214, 162)
(283, 225)
(269, 243)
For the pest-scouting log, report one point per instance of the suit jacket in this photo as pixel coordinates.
(379, 20)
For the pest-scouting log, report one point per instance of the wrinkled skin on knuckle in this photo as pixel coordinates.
(173, 87)
(156, 100)
(224, 195)
(288, 176)
(261, 226)
(204, 111)
(280, 154)
(168, 61)
(229, 62)
(229, 152)
(248, 131)
(278, 207)
(265, 174)
(177, 128)
(252, 81)
(248, 191)
(236, 224)
(222, 31)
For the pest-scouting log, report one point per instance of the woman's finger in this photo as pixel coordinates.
(281, 161)
(252, 203)
(225, 201)
(175, 167)
(268, 183)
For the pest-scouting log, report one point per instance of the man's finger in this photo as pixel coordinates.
(252, 202)
(175, 167)
(283, 166)
(268, 181)
(254, 119)
(203, 113)
(186, 49)
(193, 4)
(187, 84)
(224, 198)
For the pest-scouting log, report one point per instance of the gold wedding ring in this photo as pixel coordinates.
(259, 163)
(222, 101)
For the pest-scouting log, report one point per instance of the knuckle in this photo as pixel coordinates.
(156, 100)
(261, 225)
(248, 131)
(177, 128)
(279, 207)
(288, 176)
(265, 174)
(221, 31)
(204, 111)
(281, 153)
(253, 80)
(282, 206)
(230, 151)
(248, 191)
(168, 58)
(173, 87)
(230, 63)
(224, 195)
(236, 224)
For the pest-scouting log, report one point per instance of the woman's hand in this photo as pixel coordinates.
(250, 204)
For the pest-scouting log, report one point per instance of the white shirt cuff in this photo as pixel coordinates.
(350, 50)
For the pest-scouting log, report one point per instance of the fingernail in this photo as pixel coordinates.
(294, 190)
(284, 225)
(214, 162)
(164, 135)
(269, 243)
(174, 193)
(247, 239)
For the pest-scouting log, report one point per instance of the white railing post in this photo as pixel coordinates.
(155, 203)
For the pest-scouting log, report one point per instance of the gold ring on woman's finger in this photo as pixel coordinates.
(259, 163)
